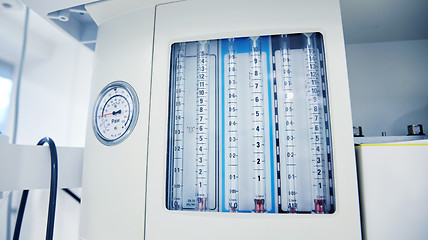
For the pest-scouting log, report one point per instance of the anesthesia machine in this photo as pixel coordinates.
(219, 120)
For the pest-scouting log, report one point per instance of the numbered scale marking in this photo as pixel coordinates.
(202, 126)
(315, 109)
(289, 125)
(232, 108)
(258, 125)
(179, 129)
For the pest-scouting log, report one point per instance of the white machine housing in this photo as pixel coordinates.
(393, 180)
(124, 186)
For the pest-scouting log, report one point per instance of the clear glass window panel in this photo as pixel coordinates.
(249, 127)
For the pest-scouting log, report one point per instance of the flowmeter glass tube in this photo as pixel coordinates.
(249, 127)
(315, 120)
(202, 125)
(232, 127)
(257, 112)
(288, 123)
(179, 129)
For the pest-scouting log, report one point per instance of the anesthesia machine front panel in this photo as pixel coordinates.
(249, 127)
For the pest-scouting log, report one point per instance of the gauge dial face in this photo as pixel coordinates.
(115, 113)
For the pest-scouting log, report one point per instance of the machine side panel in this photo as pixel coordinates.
(114, 177)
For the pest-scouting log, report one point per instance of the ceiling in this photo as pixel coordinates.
(384, 20)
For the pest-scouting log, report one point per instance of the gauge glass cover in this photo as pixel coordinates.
(115, 113)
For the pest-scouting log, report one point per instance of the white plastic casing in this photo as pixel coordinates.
(29, 167)
(393, 178)
(118, 201)
(114, 177)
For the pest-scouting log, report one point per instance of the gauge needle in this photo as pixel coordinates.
(105, 115)
(112, 113)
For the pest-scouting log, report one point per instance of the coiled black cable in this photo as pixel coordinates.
(72, 194)
(52, 194)
(20, 215)
(54, 186)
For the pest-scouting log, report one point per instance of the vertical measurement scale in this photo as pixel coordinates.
(179, 129)
(315, 110)
(232, 105)
(288, 125)
(202, 125)
(326, 143)
(258, 125)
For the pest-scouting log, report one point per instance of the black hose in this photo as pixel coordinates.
(72, 194)
(52, 194)
(20, 215)
(53, 188)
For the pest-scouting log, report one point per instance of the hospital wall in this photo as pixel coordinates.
(389, 85)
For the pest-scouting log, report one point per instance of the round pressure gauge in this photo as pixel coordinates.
(115, 113)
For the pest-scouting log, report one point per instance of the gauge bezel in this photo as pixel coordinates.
(133, 120)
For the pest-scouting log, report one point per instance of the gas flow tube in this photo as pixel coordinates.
(232, 108)
(288, 124)
(202, 153)
(315, 110)
(179, 129)
(257, 100)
